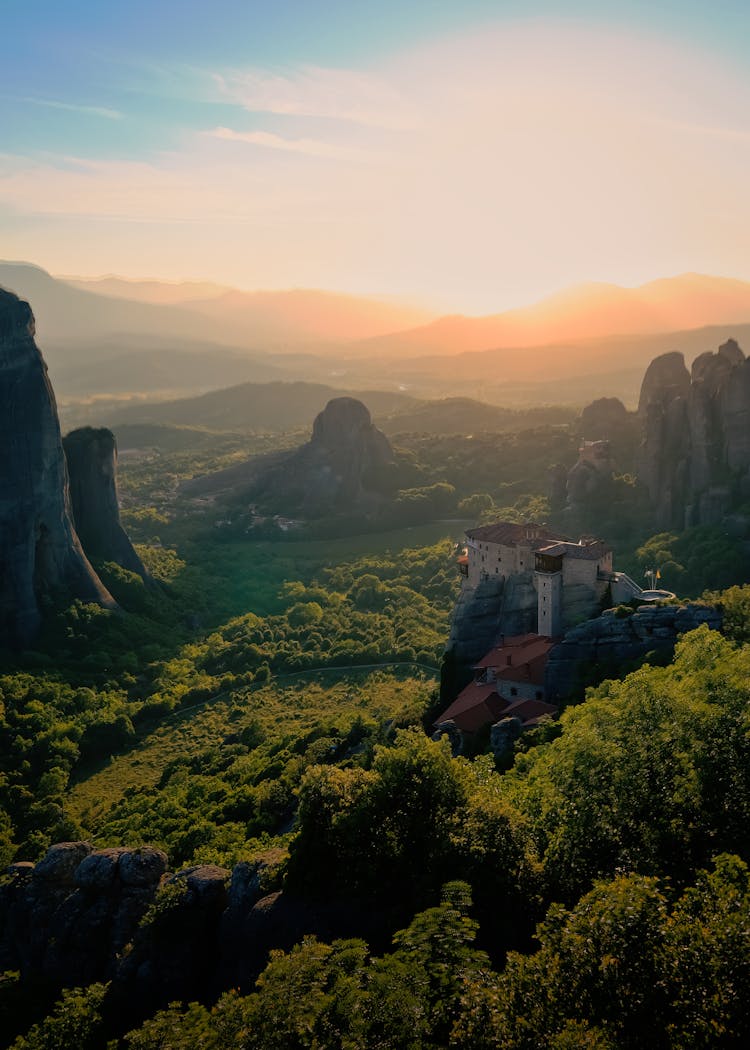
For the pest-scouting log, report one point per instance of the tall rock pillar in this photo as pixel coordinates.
(40, 554)
(92, 468)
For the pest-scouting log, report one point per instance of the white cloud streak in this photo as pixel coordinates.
(92, 111)
(311, 91)
(308, 147)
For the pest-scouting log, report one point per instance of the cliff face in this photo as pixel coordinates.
(694, 455)
(40, 554)
(605, 646)
(343, 467)
(92, 468)
(83, 915)
(482, 614)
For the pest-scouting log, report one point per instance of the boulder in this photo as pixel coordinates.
(503, 735)
(61, 861)
(206, 883)
(143, 867)
(98, 870)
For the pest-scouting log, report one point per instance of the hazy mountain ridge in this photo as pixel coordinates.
(584, 312)
(99, 344)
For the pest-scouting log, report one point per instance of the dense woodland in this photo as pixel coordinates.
(271, 696)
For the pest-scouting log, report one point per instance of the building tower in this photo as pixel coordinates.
(549, 589)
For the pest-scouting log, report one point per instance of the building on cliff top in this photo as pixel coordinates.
(508, 683)
(570, 578)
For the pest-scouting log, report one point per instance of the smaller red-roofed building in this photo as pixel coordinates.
(509, 683)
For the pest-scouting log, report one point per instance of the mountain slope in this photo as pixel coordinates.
(65, 313)
(272, 319)
(589, 311)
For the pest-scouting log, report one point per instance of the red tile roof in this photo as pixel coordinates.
(480, 704)
(517, 650)
(475, 706)
(529, 710)
(510, 534)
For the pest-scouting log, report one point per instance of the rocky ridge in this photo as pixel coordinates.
(41, 558)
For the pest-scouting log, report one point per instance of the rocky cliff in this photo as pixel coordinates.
(91, 455)
(41, 558)
(482, 614)
(612, 644)
(118, 915)
(694, 456)
(344, 466)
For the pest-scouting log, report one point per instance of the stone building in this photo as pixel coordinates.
(571, 579)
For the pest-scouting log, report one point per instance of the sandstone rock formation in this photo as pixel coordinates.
(590, 476)
(694, 456)
(611, 644)
(41, 558)
(345, 466)
(92, 469)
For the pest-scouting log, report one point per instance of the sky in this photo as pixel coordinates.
(470, 156)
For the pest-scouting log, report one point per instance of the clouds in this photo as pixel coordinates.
(311, 91)
(478, 171)
(268, 140)
(71, 107)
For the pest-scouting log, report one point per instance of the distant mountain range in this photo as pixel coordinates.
(584, 312)
(158, 340)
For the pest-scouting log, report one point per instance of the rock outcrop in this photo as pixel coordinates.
(91, 455)
(483, 613)
(694, 455)
(608, 439)
(346, 466)
(41, 559)
(607, 419)
(118, 915)
(614, 643)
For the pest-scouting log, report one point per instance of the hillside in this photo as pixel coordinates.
(276, 406)
(64, 313)
(261, 406)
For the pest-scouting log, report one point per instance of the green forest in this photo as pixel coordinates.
(269, 702)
